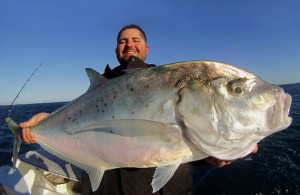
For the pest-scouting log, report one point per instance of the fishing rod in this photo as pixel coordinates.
(10, 109)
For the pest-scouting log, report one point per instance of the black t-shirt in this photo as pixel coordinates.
(133, 62)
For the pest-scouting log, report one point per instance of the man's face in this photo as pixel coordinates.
(131, 43)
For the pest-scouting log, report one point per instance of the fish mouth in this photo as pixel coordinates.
(278, 115)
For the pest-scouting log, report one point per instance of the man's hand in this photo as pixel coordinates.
(222, 163)
(27, 135)
(217, 162)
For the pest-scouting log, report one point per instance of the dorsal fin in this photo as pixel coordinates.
(95, 77)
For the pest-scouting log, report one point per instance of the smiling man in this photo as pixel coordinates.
(131, 52)
(131, 42)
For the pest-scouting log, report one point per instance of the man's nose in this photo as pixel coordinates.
(129, 43)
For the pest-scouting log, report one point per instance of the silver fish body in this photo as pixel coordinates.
(164, 116)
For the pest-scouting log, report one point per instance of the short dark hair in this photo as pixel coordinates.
(132, 26)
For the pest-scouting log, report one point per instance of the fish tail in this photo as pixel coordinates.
(14, 127)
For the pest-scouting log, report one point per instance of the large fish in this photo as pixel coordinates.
(162, 117)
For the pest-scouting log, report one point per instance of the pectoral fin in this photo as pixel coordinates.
(162, 175)
(134, 128)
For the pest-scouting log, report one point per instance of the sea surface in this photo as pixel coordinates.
(275, 169)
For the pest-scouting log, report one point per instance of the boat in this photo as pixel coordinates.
(39, 172)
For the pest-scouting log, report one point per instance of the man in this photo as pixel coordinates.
(131, 51)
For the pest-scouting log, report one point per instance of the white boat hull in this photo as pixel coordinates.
(37, 173)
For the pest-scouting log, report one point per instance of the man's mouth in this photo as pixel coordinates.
(129, 52)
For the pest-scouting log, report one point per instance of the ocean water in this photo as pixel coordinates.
(275, 169)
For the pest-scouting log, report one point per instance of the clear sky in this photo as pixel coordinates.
(261, 36)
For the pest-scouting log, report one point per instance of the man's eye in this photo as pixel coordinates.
(136, 40)
(122, 41)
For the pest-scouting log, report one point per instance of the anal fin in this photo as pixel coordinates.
(162, 175)
(95, 175)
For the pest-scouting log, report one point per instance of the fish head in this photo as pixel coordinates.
(225, 111)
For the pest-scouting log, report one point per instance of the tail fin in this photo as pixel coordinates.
(14, 127)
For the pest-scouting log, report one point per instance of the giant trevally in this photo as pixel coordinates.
(162, 117)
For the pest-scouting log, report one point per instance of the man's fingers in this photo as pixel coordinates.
(34, 120)
(255, 149)
(217, 162)
(27, 136)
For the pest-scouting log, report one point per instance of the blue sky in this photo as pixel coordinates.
(261, 36)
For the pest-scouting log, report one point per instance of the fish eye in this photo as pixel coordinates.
(236, 87)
